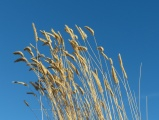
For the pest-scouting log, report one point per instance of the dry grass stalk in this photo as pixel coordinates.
(59, 115)
(95, 71)
(82, 48)
(42, 40)
(33, 46)
(34, 85)
(100, 48)
(23, 59)
(108, 87)
(48, 38)
(56, 35)
(44, 70)
(70, 31)
(104, 55)
(73, 67)
(90, 30)
(29, 50)
(82, 60)
(99, 112)
(114, 75)
(69, 55)
(111, 61)
(50, 34)
(74, 86)
(88, 104)
(32, 94)
(61, 40)
(18, 82)
(55, 50)
(92, 90)
(83, 35)
(103, 105)
(26, 103)
(35, 60)
(81, 90)
(122, 67)
(70, 75)
(46, 43)
(98, 82)
(74, 45)
(35, 32)
(55, 56)
(79, 114)
(18, 53)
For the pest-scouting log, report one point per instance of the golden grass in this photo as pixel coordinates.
(77, 84)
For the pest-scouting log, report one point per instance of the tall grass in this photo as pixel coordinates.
(83, 84)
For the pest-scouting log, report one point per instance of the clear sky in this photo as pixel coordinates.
(121, 26)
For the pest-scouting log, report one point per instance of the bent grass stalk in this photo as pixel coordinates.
(78, 85)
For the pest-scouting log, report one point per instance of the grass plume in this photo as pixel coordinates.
(78, 84)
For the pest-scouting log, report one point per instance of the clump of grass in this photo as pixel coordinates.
(80, 85)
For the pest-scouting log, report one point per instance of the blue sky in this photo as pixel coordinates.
(127, 27)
